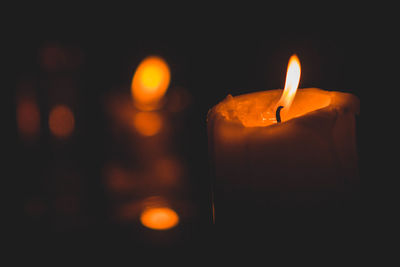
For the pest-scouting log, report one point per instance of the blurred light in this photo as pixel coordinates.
(28, 118)
(61, 121)
(147, 123)
(159, 218)
(150, 83)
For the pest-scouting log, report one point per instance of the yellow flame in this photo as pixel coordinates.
(150, 83)
(291, 84)
(159, 218)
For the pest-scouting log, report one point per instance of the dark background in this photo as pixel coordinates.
(209, 57)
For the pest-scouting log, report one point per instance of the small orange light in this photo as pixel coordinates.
(61, 121)
(150, 82)
(291, 84)
(159, 218)
(147, 123)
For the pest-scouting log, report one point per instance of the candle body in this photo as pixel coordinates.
(309, 160)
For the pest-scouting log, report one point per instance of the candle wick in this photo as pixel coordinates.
(278, 114)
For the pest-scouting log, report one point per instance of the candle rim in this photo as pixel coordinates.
(339, 101)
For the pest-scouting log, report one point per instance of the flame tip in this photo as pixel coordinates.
(291, 83)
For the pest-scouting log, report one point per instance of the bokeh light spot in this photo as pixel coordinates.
(150, 82)
(61, 121)
(159, 218)
(147, 123)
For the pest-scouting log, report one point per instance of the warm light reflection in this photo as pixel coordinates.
(61, 121)
(159, 218)
(28, 118)
(150, 82)
(147, 123)
(291, 84)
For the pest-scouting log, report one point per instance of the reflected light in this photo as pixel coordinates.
(28, 118)
(150, 82)
(61, 121)
(147, 123)
(159, 218)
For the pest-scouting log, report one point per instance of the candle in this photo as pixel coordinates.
(275, 149)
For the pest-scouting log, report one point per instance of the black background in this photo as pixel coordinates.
(211, 54)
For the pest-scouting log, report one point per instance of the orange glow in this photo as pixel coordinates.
(159, 218)
(28, 118)
(61, 121)
(147, 123)
(150, 82)
(291, 84)
(258, 109)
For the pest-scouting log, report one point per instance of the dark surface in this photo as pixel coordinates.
(208, 62)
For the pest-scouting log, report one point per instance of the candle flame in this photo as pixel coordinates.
(291, 84)
(150, 82)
